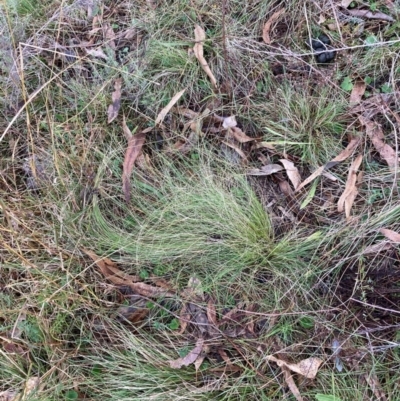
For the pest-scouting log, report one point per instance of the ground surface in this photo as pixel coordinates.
(193, 206)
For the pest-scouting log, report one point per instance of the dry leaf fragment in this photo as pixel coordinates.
(350, 192)
(98, 53)
(229, 122)
(168, 107)
(370, 15)
(212, 313)
(343, 155)
(266, 170)
(9, 395)
(240, 136)
(113, 108)
(291, 384)
(268, 24)
(116, 276)
(200, 37)
(307, 367)
(135, 144)
(390, 234)
(292, 172)
(376, 248)
(31, 384)
(237, 149)
(357, 92)
(376, 136)
(190, 358)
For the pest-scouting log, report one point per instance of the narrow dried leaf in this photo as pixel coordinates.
(237, 149)
(190, 358)
(376, 248)
(370, 15)
(199, 361)
(212, 313)
(110, 270)
(113, 108)
(343, 155)
(229, 122)
(240, 136)
(266, 170)
(168, 107)
(135, 144)
(376, 136)
(184, 318)
(268, 24)
(390, 234)
(307, 367)
(109, 34)
(375, 385)
(291, 384)
(116, 276)
(350, 191)
(200, 37)
(292, 172)
(357, 92)
(98, 53)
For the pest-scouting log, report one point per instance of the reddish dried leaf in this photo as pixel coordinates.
(113, 108)
(376, 248)
(132, 314)
(390, 234)
(343, 155)
(190, 358)
(116, 276)
(268, 24)
(376, 136)
(135, 144)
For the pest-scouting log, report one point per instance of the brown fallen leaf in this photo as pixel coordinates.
(291, 384)
(347, 198)
(292, 172)
(376, 248)
(370, 15)
(236, 149)
(116, 276)
(376, 136)
(357, 92)
(109, 34)
(200, 37)
(268, 24)
(390, 234)
(168, 107)
(113, 108)
(307, 367)
(184, 318)
(212, 313)
(265, 170)
(239, 135)
(135, 144)
(343, 155)
(190, 358)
